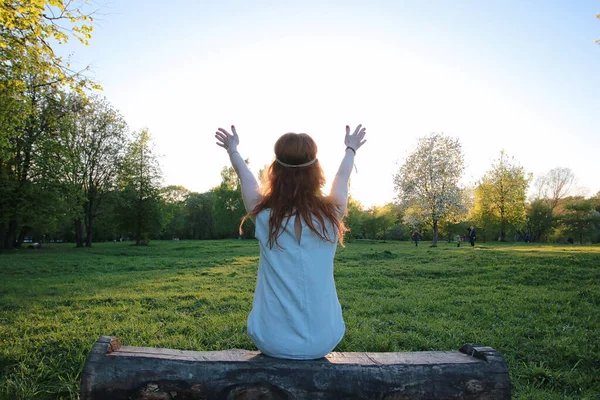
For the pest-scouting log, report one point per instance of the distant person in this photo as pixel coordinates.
(296, 313)
(527, 237)
(416, 237)
(472, 235)
(570, 240)
(458, 240)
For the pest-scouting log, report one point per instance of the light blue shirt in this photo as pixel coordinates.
(296, 313)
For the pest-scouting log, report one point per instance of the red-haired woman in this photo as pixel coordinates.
(296, 313)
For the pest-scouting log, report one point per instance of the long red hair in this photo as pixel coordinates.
(298, 191)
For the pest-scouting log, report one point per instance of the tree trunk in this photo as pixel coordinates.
(22, 233)
(435, 234)
(112, 371)
(78, 233)
(89, 232)
(11, 234)
(3, 230)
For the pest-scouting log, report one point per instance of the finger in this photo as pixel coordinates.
(347, 130)
(222, 145)
(363, 142)
(235, 135)
(221, 137)
(357, 129)
(225, 132)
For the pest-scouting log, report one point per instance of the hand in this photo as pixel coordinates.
(355, 140)
(228, 141)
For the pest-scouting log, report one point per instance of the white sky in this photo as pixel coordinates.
(504, 75)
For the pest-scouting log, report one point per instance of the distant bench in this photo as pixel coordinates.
(117, 372)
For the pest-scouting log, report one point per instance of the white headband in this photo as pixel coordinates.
(296, 166)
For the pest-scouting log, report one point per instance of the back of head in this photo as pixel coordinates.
(289, 184)
(293, 185)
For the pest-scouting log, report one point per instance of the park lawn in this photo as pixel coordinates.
(539, 305)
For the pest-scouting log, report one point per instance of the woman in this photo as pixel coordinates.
(295, 313)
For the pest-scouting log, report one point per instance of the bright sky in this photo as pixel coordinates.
(513, 75)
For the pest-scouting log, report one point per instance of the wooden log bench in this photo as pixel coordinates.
(117, 372)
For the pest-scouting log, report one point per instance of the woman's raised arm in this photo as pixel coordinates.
(250, 192)
(339, 189)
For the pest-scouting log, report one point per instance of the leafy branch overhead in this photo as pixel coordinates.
(29, 31)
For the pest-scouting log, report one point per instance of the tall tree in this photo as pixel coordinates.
(140, 177)
(555, 185)
(24, 152)
(174, 213)
(540, 219)
(500, 196)
(91, 150)
(199, 215)
(32, 76)
(427, 182)
(580, 218)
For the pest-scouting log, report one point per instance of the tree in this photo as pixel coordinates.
(199, 215)
(32, 76)
(228, 206)
(140, 176)
(580, 218)
(355, 218)
(24, 158)
(174, 213)
(500, 196)
(555, 185)
(91, 150)
(427, 182)
(540, 219)
(28, 31)
(379, 220)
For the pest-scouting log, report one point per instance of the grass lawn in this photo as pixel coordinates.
(539, 305)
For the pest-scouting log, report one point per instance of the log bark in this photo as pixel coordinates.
(117, 372)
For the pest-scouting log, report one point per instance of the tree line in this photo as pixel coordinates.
(431, 198)
(72, 170)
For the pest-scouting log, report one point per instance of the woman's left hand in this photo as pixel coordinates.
(226, 140)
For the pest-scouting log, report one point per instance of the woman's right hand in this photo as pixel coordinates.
(355, 140)
(228, 141)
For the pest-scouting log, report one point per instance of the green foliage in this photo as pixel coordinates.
(354, 221)
(25, 162)
(32, 76)
(28, 31)
(174, 212)
(500, 197)
(89, 152)
(374, 223)
(228, 207)
(199, 210)
(540, 219)
(140, 205)
(580, 218)
(536, 304)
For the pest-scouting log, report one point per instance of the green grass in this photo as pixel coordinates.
(539, 305)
